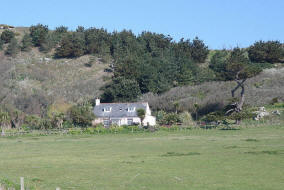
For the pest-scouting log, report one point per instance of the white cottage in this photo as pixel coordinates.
(122, 113)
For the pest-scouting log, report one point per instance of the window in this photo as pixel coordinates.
(107, 109)
(131, 109)
(106, 122)
(129, 121)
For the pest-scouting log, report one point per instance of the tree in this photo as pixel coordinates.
(59, 33)
(141, 114)
(199, 50)
(81, 115)
(238, 68)
(26, 43)
(7, 36)
(71, 45)
(121, 90)
(33, 122)
(13, 48)
(1, 44)
(38, 34)
(218, 64)
(270, 51)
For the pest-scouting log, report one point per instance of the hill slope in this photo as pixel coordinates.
(31, 81)
(260, 90)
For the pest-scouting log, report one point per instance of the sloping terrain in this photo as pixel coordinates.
(32, 81)
(259, 90)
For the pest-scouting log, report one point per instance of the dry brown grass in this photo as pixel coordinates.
(260, 90)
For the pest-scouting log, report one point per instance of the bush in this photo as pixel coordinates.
(81, 116)
(1, 44)
(121, 89)
(270, 51)
(33, 122)
(71, 45)
(7, 36)
(13, 48)
(26, 43)
(38, 34)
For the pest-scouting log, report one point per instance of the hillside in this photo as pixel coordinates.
(72, 70)
(260, 90)
(32, 81)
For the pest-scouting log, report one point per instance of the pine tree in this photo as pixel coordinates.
(26, 43)
(13, 48)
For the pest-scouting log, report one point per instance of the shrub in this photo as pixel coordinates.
(26, 43)
(71, 45)
(38, 34)
(81, 116)
(7, 36)
(33, 122)
(1, 44)
(13, 48)
(172, 118)
(270, 51)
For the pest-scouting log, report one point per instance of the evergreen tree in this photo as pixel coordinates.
(71, 45)
(13, 48)
(38, 34)
(7, 36)
(199, 50)
(26, 43)
(270, 51)
(1, 44)
(121, 90)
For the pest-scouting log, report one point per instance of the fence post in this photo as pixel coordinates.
(22, 183)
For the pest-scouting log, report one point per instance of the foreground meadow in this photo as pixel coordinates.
(251, 158)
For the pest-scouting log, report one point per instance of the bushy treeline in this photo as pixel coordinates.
(148, 62)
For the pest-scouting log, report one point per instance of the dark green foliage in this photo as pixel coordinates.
(48, 43)
(121, 90)
(33, 122)
(199, 50)
(38, 34)
(1, 44)
(270, 51)
(141, 113)
(13, 48)
(81, 116)
(233, 65)
(71, 45)
(218, 64)
(59, 33)
(171, 118)
(26, 43)
(7, 36)
(98, 41)
(61, 30)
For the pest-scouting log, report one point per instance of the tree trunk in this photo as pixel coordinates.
(241, 103)
(238, 105)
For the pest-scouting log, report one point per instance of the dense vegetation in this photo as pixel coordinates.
(148, 63)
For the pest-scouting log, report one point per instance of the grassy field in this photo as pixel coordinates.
(246, 159)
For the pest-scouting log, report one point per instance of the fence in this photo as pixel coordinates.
(21, 187)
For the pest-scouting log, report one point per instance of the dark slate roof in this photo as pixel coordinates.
(119, 109)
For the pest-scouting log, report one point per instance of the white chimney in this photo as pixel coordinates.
(98, 101)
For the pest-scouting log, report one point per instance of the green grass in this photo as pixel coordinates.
(246, 159)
